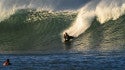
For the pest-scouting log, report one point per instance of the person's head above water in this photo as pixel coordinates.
(7, 60)
(6, 63)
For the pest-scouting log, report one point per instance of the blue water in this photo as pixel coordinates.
(71, 61)
(32, 29)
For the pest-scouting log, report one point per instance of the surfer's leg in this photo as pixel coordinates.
(71, 37)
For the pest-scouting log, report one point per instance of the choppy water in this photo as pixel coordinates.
(72, 61)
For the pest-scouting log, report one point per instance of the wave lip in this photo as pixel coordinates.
(102, 10)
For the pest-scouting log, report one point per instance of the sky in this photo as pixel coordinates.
(71, 4)
(52, 4)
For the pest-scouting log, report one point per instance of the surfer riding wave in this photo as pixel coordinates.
(67, 37)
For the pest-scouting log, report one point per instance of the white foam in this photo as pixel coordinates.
(104, 10)
(8, 7)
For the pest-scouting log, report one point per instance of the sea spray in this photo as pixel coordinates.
(9, 7)
(103, 10)
(110, 10)
(5, 13)
(82, 22)
(31, 31)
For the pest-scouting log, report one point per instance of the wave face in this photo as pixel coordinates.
(106, 37)
(99, 26)
(29, 30)
(32, 30)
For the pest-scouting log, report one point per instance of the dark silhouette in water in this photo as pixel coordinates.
(6, 63)
(67, 37)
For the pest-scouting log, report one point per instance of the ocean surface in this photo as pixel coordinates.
(71, 61)
(31, 35)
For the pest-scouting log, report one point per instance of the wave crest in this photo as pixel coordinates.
(103, 10)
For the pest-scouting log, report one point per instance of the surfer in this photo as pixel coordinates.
(67, 37)
(6, 63)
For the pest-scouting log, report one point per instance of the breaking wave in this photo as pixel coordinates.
(99, 25)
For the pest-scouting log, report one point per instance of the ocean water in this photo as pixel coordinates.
(31, 35)
(71, 61)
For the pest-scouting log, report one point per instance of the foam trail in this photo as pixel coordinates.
(103, 10)
(83, 20)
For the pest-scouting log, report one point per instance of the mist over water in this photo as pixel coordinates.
(8, 7)
(102, 10)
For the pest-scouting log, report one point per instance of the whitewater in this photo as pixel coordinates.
(38, 27)
(31, 34)
(112, 10)
(102, 10)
